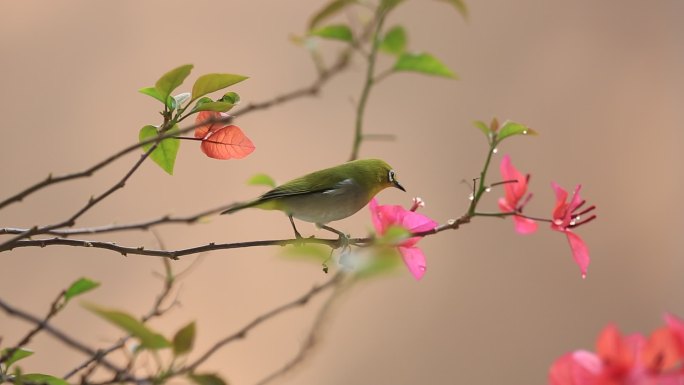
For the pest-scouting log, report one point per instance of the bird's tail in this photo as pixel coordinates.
(239, 206)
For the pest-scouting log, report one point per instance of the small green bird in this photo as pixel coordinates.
(327, 195)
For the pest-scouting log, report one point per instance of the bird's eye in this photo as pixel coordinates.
(391, 175)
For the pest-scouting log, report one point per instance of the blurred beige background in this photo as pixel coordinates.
(601, 81)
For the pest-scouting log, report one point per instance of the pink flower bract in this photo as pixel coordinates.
(566, 217)
(220, 141)
(386, 216)
(514, 193)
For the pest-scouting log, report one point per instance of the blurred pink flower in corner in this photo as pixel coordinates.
(566, 217)
(386, 216)
(626, 360)
(514, 193)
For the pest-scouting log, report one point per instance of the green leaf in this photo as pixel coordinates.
(385, 260)
(513, 128)
(261, 180)
(388, 5)
(482, 126)
(153, 92)
(424, 63)
(38, 378)
(213, 106)
(172, 79)
(334, 32)
(394, 41)
(231, 97)
(311, 252)
(207, 379)
(328, 11)
(17, 355)
(394, 236)
(459, 5)
(165, 153)
(213, 82)
(79, 287)
(184, 339)
(148, 338)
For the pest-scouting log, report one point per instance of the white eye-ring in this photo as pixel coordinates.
(391, 175)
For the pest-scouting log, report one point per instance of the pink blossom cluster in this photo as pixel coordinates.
(566, 215)
(626, 360)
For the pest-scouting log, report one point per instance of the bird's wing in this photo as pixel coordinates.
(300, 187)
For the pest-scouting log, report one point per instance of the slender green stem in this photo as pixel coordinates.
(481, 187)
(368, 84)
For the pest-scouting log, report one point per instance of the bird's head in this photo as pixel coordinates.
(381, 174)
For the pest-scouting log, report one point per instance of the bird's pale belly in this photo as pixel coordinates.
(323, 208)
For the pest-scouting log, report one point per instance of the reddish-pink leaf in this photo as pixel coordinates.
(227, 142)
(203, 130)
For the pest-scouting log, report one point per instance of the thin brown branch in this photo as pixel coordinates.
(91, 203)
(58, 334)
(54, 309)
(312, 90)
(242, 333)
(156, 311)
(311, 338)
(452, 224)
(175, 254)
(145, 225)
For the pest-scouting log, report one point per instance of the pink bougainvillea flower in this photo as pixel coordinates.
(566, 216)
(625, 360)
(386, 216)
(615, 362)
(220, 141)
(515, 191)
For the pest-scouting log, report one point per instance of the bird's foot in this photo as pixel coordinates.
(343, 240)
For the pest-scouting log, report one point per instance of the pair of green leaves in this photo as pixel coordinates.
(181, 343)
(336, 6)
(496, 133)
(204, 85)
(394, 42)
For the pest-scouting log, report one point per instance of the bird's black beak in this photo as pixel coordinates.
(399, 186)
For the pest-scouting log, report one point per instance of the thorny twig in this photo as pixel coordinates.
(58, 334)
(176, 254)
(311, 338)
